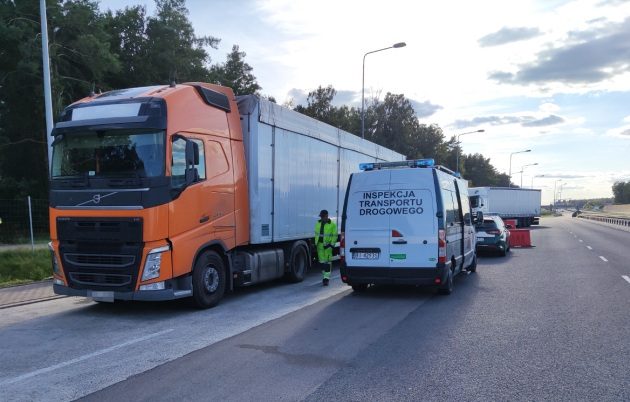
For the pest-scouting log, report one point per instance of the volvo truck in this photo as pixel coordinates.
(167, 192)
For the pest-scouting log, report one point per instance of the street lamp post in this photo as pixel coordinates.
(394, 46)
(510, 171)
(540, 175)
(47, 91)
(554, 193)
(523, 168)
(457, 143)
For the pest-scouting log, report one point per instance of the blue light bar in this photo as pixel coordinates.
(385, 165)
(425, 162)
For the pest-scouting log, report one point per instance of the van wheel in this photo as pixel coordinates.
(447, 288)
(208, 280)
(360, 288)
(473, 265)
(298, 264)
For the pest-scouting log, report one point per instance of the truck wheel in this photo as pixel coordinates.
(298, 264)
(447, 288)
(360, 288)
(208, 280)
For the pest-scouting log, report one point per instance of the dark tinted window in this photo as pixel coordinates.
(487, 225)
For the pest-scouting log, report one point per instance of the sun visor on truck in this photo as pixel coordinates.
(137, 113)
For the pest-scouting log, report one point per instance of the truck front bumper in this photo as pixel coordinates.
(110, 296)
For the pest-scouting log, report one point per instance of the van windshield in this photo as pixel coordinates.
(112, 153)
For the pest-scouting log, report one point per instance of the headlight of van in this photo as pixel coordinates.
(153, 263)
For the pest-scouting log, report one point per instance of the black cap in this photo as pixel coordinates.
(323, 212)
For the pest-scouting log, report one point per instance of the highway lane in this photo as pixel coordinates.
(548, 323)
(64, 349)
(603, 241)
(556, 309)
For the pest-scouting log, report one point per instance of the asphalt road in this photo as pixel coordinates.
(546, 323)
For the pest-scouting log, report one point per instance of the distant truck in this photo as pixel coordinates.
(522, 204)
(167, 192)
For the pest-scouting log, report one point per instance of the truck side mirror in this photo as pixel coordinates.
(479, 216)
(192, 153)
(192, 159)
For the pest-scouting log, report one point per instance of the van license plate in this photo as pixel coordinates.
(365, 255)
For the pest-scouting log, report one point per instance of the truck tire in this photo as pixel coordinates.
(447, 288)
(208, 279)
(298, 263)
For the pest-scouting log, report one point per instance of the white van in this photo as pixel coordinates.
(406, 223)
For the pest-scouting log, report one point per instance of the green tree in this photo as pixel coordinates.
(479, 171)
(79, 57)
(235, 73)
(157, 49)
(319, 106)
(621, 192)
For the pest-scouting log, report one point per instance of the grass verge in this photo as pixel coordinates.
(22, 266)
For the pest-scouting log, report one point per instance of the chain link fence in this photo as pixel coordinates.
(23, 220)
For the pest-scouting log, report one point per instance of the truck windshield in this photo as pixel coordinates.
(112, 153)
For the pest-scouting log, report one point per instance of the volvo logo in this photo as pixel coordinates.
(96, 199)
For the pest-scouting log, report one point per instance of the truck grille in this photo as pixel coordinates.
(100, 260)
(101, 253)
(86, 278)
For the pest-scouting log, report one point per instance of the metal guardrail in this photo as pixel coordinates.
(609, 219)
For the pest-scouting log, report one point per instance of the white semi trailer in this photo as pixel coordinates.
(522, 204)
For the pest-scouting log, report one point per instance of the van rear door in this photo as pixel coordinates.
(367, 231)
(413, 225)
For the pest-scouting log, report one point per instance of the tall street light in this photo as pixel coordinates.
(47, 91)
(523, 168)
(394, 46)
(540, 175)
(554, 193)
(457, 143)
(510, 171)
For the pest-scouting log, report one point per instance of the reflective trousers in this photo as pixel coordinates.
(324, 255)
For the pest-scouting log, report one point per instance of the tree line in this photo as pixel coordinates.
(93, 51)
(621, 192)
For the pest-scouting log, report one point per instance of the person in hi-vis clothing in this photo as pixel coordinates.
(325, 239)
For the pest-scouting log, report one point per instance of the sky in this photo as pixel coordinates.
(552, 76)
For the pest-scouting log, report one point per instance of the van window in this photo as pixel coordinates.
(466, 209)
(452, 213)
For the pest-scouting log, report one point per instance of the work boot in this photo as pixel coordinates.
(325, 282)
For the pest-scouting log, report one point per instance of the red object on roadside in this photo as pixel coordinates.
(511, 222)
(520, 238)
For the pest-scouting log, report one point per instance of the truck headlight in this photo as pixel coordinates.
(153, 263)
(55, 264)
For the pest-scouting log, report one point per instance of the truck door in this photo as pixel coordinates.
(412, 221)
(367, 229)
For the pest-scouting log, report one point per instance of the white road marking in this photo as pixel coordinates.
(626, 277)
(603, 259)
(589, 247)
(82, 358)
(581, 241)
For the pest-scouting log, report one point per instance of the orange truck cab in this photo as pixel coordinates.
(166, 192)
